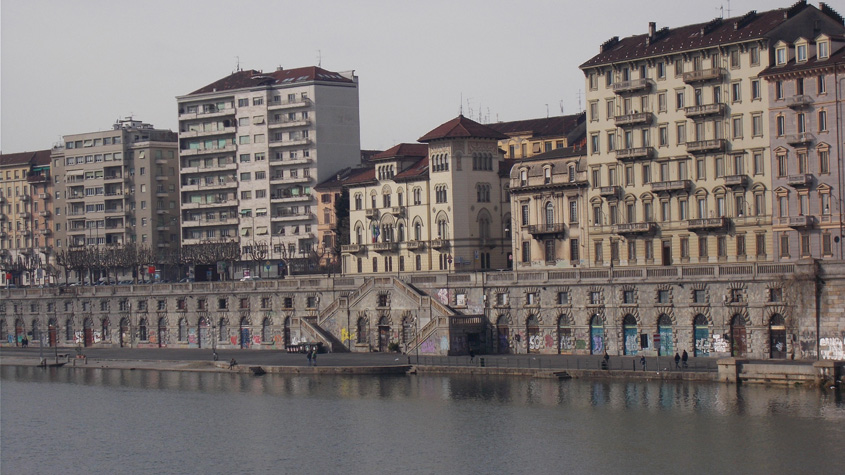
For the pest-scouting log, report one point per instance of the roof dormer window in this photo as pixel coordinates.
(780, 55)
(823, 49)
(801, 53)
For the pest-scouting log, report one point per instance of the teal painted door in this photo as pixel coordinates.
(632, 344)
(702, 341)
(596, 340)
(666, 347)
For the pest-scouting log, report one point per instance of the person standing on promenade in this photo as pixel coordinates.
(606, 361)
(684, 358)
(677, 360)
(642, 362)
(308, 355)
(314, 356)
(233, 364)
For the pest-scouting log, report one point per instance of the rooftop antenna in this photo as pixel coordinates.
(561, 107)
(237, 63)
(579, 94)
(319, 59)
(547, 110)
(461, 105)
(721, 11)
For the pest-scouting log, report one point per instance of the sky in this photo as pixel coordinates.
(69, 67)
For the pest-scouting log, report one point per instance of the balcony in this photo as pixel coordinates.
(290, 142)
(705, 110)
(45, 196)
(292, 217)
(707, 224)
(289, 198)
(2, 200)
(736, 180)
(161, 161)
(383, 246)
(206, 113)
(2, 217)
(799, 181)
(163, 227)
(352, 248)
(705, 146)
(802, 139)
(439, 243)
(24, 198)
(673, 185)
(540, 231)
(45, 232)
(24, 215)
(162, 177)
(285, 104)
(638, 153)
(633, 85)
(187, 152)
(397, 211)
(704, 75)
(415, 245)
(371, 213)
(285, 122)
(205, 133)
(798, 222)
(37, 178)
(281, 179)
(799, 101)
(112, 177)
(44, 214)
(639, 118)
(114, 210)
(635, 228)
(610, 191)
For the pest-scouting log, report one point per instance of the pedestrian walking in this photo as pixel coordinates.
(684, 358)
(642, 362)
(471, 355)
(314, 356)
(308, 355)
(677, 360)
(233, 364)
(605, 361)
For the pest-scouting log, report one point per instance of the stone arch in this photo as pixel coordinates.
(161, 331)
(597, 334)
(362, 329)
(668, 317)
(504, 319)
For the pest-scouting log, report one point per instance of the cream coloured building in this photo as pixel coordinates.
(678, 138)
(438, 206)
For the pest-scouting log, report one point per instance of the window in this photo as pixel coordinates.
(563, 298)
(736, 127)
(822, 121)
(824, 161)
(595, 297)
(780, 55)
(598, 249)
(801, 53)
(702, 247)
(663, 136)
(679, 100)
(594, 144)
(526, 251)
(594, 113)
(661, 102)
(754, 53)
(699, 296)
(663, 296)
(757, 125)
(778, 90)
(734, 58)
(740, 246)
(628, 297)
(780, 123)
(661, 70)
(784, 245)
(736, 92)
(821, 87)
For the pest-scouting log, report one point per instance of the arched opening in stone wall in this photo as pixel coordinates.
(664, 329)
(88, 331)
(777, 336)
(502, 335)
(383, 333)
(739, 341)
(161, 335)
(564, 335)
(123, 331)
(701, 336)
(533, 338)
(596, 335)
(631, 344)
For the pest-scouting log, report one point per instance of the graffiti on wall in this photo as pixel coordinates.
(346, 335)
(428, 346)
(444, 343)
(832, 348)
(536, 342)
(720, 344)
(460, 343)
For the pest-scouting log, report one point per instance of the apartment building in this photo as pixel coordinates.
(26, 256)
(333, 212)
(252, 146)
(678, 138)
(530, 137)
(548, 195)
(806, 142)
(116, 187)
(438, 205)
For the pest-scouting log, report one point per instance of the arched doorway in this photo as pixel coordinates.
(407, 329)
(362, 330)
(143, 333)
(182, 330)
(564, 335)
(36, 330)
(629, 335)
(124, 332)
(203, 336)
(777, 336)
(20, 331)
(739, 342)
(533, 338)
(286, 332)
(88, 331)
(596, 335)
(502, 335)
(52, 332)
(70, 333)
(162, 332)
(383, 334)
(105, 336)
(243, 333)
(664, 329)
(3, 336)
(701, 336)
(265, 329)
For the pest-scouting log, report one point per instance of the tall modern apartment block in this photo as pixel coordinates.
(251, 147)
(678, 136)
(117, 186)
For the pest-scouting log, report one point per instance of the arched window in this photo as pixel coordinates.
(69, 329)
(701, 336)
(442, 228)
(105, 324)
(265, 330)
(484, 227)
(142, 330)
(631, 343)
(183, 329)
(418, 231)
(362, 329)
(224, 331)
(400, 233)
(596, 335)
(564, 334)
(550, 213)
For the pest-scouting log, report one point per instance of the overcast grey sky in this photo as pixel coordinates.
(76, 66)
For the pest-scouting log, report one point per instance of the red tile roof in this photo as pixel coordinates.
(417, 171)
(365, 176)
(461, 127)
(39, 157)
(812, 64)
(407, 150)
(692, 37)
(544, 127)
(253, 78)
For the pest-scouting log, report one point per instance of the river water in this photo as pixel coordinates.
(68, 420)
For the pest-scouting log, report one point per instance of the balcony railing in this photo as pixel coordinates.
(704, 146)
(799, 101)
(439, 243)
(798, 222)
(633, 85)
(550, 229)
(736, 180)
(610, 191)
(635, 228)
(702, 75)
(397, 211)
(352, 248)
(371, 213)
(415, 245)
(673, 185)
(804, 138)
(638, 118)
(799, 181)
(705, 110)
(284, 104)
(637, 153)
(383, 246)
(707, 224)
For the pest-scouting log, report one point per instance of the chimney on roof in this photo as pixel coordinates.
(652, 27)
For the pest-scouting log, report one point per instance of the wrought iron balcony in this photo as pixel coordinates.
(704, 146)
(712, 74)
(633, 85)
(799, 181)
(673, 185)
(799, 101)
(705, 110)
(707, 224)
(639, 118)
(638, 153)
(635, 228)
(543, 230)
(736, 180)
